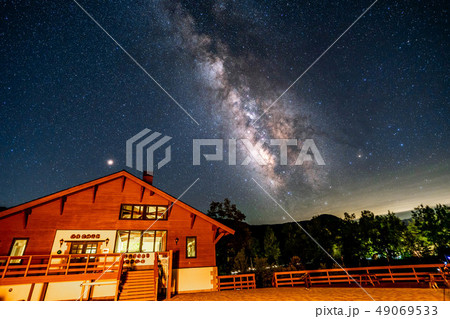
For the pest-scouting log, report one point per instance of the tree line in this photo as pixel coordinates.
(352, 241)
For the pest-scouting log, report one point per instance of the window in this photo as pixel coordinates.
(18, 249)
(191, 247)
(135, 241)
(147, 212)
(126, 212)
(160, 241)
(122, 242)
(76, 249)
(138, 211)
(83, 247)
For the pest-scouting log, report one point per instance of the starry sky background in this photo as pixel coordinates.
(376, 104)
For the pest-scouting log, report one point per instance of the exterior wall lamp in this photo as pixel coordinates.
(107, 241)
(176, 241)
(61, 242)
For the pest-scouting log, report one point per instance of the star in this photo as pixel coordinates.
(67, 103)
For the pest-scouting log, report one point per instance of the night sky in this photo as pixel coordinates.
(376, 104)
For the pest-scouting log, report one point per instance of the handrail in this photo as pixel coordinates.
(33, 266)
(364, 268)
(367, 275)
(242, 281)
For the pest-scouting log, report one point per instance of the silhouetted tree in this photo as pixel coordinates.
(369, 232)
(228, 247)
(263, 272)
(225, 210)
(350, 241)
(241, 261)
(324, 229)
(390, 235)
(293, 241)
(434, 226)
(271, 247)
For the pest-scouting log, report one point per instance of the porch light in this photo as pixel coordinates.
(176, 241)
(107, 241)
(61, 242)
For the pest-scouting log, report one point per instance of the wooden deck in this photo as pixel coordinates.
(319, 294)
(141, 284)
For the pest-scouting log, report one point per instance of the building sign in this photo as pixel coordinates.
(85, 236)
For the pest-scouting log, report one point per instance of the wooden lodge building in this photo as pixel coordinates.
(116, 237)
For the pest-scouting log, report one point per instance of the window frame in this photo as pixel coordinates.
(85, 243)
(141, 241)
(195, 242)
(144, 212)
(19, 261)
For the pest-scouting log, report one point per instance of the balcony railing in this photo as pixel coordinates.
(53, 268)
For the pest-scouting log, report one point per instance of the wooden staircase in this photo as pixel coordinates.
(138, 285)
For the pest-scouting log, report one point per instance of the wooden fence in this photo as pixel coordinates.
(236, 282)
(430, 273)
(57, 268)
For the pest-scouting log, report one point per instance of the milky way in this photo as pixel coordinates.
(236, 102)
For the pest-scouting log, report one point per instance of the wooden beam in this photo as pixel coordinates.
(44, 291)
(27, 213)
(169, 210)
(214, 230)
(142, 192)
(90, 290)
(218, 237)
(30, 294)
(63, 202)
(123, 183)
(95, 193)
(193, 216)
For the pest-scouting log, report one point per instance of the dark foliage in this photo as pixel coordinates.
(369, 240)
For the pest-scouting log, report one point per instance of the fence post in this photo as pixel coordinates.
(28, 266)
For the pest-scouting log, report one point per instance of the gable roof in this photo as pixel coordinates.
(102, 180)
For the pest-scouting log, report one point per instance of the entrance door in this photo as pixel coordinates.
(83, 247)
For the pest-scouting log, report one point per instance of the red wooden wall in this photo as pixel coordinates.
(80, 212)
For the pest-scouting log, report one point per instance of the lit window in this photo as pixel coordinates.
(162, 212)
(134, 241)
(138, 211)
(151, 212)
(18, 249)
(91, 248)
(76, 248)
(191, 247)
(148, 241)
(127, 211)
(160, 241)
(122, 241)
